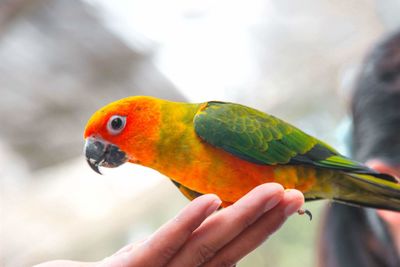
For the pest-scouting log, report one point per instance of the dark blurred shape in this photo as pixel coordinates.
(376, 115)
(354, 236)
(58, 65)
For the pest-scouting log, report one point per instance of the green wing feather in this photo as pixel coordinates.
(264, 139)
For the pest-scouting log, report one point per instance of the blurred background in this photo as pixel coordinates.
(61, 60)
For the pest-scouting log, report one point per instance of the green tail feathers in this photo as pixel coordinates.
(368, 190)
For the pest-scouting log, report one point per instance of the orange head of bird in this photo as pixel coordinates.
(121, 131)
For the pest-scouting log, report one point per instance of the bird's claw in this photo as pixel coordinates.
(305, 211)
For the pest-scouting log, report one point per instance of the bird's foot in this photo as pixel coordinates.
(305, 211)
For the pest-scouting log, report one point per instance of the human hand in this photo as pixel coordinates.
(392, 218)
(197, 237)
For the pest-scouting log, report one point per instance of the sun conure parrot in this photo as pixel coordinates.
(228, 149)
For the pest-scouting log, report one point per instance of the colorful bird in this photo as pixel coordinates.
(228, 149)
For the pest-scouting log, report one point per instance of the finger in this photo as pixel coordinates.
(163, 244)
(257, 233)
(220, 229)
(391, 217)
(383, 167)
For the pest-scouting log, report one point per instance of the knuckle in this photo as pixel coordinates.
(244, 216)
(204, 254)
(168, 252)
(247, 220)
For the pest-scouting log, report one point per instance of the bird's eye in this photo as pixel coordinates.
(116, 124)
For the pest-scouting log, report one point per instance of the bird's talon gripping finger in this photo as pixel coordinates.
(305, 211)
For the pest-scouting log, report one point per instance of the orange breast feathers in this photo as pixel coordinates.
(206, 169)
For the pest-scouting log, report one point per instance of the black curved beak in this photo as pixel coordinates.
(100, 153)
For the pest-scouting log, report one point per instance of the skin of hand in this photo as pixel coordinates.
(392, 218)
(199, 236)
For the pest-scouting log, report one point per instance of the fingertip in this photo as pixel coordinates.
(211, 201)
(293, 200)
(277, 186)
(211, 197)
(375, 163)
(204, 204)
(383, 167)
(273, 201)
(271, 188)
(295, 195)
(208, 199)
(276, 195)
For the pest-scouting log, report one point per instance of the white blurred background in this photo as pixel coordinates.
(60, 60)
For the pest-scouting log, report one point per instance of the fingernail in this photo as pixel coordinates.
(272, 202)
(213, 206)
(291, 208)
